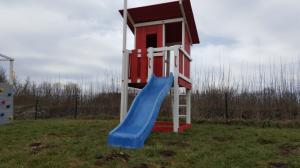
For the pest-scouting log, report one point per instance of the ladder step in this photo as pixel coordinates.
(183, 105)
(183, 94)
(182, 116)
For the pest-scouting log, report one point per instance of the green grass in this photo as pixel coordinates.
(82, 143)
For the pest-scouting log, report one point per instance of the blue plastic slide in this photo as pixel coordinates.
(139, 121)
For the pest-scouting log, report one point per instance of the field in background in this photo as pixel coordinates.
(212, 101)
(82, 143)
(268, 93)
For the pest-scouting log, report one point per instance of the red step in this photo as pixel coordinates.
(166, 126)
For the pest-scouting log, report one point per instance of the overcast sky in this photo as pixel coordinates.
(77, 39)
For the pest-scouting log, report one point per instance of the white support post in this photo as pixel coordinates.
(188, 107)
(124, 87)
(176, 91)
(164, 72)
(150, 62)
(11, 72)
(124, 93)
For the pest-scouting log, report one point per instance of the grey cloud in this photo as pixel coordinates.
(76, 38)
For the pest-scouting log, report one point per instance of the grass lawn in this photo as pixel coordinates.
(82, 143)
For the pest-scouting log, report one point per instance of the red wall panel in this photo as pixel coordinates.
(180, 62)
(133, 66)
(158, 64)
(142, 32)
(187, 43)
(144, 66)
(186, 67)
(139, 59)
(187, 62)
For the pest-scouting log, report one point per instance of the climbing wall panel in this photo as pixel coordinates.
(6, 103)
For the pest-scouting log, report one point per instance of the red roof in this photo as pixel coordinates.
(165, 11)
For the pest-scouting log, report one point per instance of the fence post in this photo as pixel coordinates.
(36, 108)
(76, 104)
(226, 108)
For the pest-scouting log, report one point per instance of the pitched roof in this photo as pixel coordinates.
(164, 11)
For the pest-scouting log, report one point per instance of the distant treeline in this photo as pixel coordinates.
(265, 96)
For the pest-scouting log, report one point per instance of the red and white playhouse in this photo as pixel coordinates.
(164, 34)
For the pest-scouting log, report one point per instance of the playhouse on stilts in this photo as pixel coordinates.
(160, 65)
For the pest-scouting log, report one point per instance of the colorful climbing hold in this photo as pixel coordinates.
(7, 106)
(9, 94)
(2, 115)
(3, 102)
(1, 90)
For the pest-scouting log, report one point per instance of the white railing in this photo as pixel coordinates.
(168, 64)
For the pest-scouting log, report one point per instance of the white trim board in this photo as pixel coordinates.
(159, 22)
(185, 20)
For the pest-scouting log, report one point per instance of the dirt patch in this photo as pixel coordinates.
(167, 153)
(101, 159)
(117, 155)
(289, 150)
(263, 141)
(35, 144)
(277, 165)
(222, 139)
(37, 147)
(143, 165)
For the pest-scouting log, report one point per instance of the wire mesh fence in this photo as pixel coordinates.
(214, 105)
